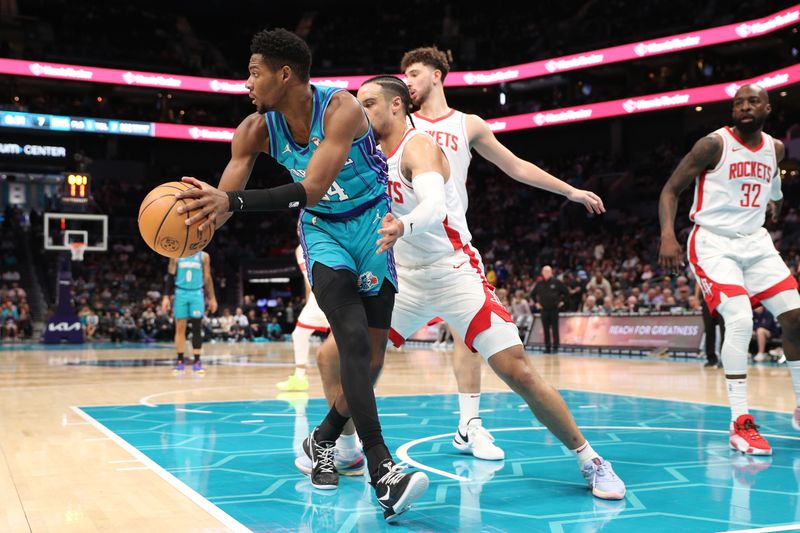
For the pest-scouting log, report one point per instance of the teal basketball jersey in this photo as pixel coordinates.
(362, 181)
(189, 274)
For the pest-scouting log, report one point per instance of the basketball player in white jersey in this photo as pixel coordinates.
(736, 177)
(311, 319)
(458, 133)
(440, 274)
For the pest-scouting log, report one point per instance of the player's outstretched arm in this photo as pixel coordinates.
(704, 155)
(249, 140)
(208, 283)
(482, 138)
(424, 161)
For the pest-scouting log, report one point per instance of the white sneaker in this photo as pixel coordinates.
(759, 357)
(478, 442)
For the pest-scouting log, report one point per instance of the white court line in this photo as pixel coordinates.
(181, 409)
(403, 455)
(227, 520)
(276, 414)
(145, 400)
(251, 421)
(128, 468)
(122, 460)
(788, 527)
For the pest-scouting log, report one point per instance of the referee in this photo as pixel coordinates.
(549, 295)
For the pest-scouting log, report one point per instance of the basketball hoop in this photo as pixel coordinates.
(77, 249)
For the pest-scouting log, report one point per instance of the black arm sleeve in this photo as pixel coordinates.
(291, 196)
(169, 284)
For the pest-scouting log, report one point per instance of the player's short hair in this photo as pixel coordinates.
(281, 47)
(395, 87)
(428, 55)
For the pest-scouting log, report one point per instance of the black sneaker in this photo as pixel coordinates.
(397, 490)
(323, 472)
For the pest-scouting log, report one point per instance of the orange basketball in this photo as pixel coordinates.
(164, 229)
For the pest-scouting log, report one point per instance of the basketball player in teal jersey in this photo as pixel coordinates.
(189, 276)
(322, 136)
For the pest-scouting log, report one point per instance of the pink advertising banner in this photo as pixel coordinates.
(545, 67)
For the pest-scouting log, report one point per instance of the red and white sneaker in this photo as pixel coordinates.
(745, 437)
(796, 419)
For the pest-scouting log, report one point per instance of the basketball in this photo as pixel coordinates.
(164, 229)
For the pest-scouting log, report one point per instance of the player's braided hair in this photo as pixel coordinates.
(396, 87)
(281, 47)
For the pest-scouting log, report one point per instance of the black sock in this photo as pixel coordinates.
(197, 358)
(331, 427)
(375, 457)
(180, 357)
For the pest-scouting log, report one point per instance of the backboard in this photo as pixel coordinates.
(61, 230)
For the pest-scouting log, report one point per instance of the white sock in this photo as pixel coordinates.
(794, 370)
(301, 340)
(347, 442)
(468, 405)
(737, 396)
(584, 453)
(300, 431)
(300, 372)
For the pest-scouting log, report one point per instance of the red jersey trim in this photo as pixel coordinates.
(701, 181)
(446, 115)
(321, 329)
(740, 141)
(788, 284)
(409, 130)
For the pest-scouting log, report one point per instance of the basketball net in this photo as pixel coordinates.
(77, 249)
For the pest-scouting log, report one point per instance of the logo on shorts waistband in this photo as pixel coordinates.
(367, 281)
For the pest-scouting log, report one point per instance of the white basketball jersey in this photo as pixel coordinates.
(425, 248)
(731, 199)
(301, 261)
(450, 132)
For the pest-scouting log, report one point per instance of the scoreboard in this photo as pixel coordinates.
(76, 188)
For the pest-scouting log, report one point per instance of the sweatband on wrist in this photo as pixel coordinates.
(431, 210)
(290, 196)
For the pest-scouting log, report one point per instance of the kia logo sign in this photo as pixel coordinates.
(63, 327)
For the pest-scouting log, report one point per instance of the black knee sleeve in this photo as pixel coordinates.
(379, 307)
(197, 333)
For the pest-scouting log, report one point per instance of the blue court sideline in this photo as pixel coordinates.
(239, 456)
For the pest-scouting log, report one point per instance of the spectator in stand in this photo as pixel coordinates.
(255, 324)
(520, 308)
(241, 327)
(599, 282)
(8, 320)
(92, 321)
(590, 305)
(127, 327)
(226, 325)
(575, 289)
(274, 331)
(113, 326)
(764, 329)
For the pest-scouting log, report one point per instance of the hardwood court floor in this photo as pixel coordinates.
(59, 473)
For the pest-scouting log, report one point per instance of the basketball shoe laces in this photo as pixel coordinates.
(325, 457)
(479, 430)
(601, 472)
(394, 475)
(750, 429)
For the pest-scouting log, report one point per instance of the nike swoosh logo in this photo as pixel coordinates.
(411, 228)
(461, 265)
(383, 499)
(737, 149)
(463, 437)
